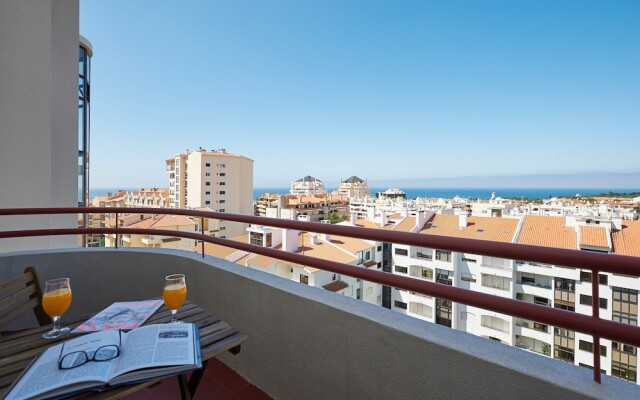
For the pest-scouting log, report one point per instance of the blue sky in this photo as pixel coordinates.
(383, 90)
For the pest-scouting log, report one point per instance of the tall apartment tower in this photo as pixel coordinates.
(354, 187)
(39, 146)
(213, 179)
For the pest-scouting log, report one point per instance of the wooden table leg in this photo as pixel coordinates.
(185, 391)
(195, 378)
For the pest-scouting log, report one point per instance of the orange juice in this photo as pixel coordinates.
(56, 302)
(174, 295)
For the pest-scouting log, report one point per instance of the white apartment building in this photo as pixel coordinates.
(313, 208)
(214, 179)
(353, 251)
(549, 285)
(154, 197)
(307, 186)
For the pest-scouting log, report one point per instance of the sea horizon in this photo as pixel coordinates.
(446, 193)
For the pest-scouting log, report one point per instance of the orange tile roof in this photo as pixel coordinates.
(365, 223)
(483, 228)
(595, 236)
(406, 225)
(538, 230)
(322, 250)
(352, 245)
(223, 252)
(626, 241)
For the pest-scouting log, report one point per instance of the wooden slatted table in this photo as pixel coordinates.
(18, 350)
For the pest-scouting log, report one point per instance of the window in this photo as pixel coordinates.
(624, 361)
(221, 183)
(379, 265)
(304, 279)
(625, 305)
(586, 346)
(207, 193)
(222, 174)
(467, 277)
(471, 260)
(587, 301)
(221, 201)
(221, 165)
(496, 282)
(443, 255)
(207, 202)
(400, 304)
(564, 341)
(401, 252)
(422, 272)
(207, 174)
(379, 248)
(445, 277)
(420, 309)
(358, 295)
(564, 294)
(207, 183)
(402, 270)
(221, 210)
(223, 192)
(255, 238)
(222, 228)
(207, 165)
(585, 276)
(426, 254)
(604, 279)
(443, 312)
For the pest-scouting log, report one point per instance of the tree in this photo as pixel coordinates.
(334, 218)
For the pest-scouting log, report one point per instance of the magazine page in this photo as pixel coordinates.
(156, 346)
(44, 376)
(122, 315)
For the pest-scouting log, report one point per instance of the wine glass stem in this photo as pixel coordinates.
(173, 316)
(56, 323)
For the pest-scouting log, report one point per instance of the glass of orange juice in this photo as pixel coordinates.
(55, 301)
(174, 294)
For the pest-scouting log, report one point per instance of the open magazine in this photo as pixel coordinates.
(145, 353)
(122, 315)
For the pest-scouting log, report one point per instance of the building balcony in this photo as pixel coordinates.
(308, 343)
(535, 289)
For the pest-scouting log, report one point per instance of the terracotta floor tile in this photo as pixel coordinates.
(219, 382)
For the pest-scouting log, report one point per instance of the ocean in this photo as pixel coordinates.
(447, 193)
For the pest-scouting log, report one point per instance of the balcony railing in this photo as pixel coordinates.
(596, 262)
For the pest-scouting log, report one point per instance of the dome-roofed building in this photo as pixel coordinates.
(307, 186)
(354, 187)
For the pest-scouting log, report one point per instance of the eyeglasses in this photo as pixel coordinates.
(78, 358)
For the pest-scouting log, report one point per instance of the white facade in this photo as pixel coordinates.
(217, 180)
(307, 186)
(549, 285)
(39, 116)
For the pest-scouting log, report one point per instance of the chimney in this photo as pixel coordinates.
(314, 238)
(290, 240)
(326, 237)
(371, 213)
(353, 218)
(462, 221)
(383, 218)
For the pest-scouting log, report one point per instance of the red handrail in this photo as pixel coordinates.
(596, 262)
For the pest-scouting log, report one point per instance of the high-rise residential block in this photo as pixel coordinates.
(217, 180)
